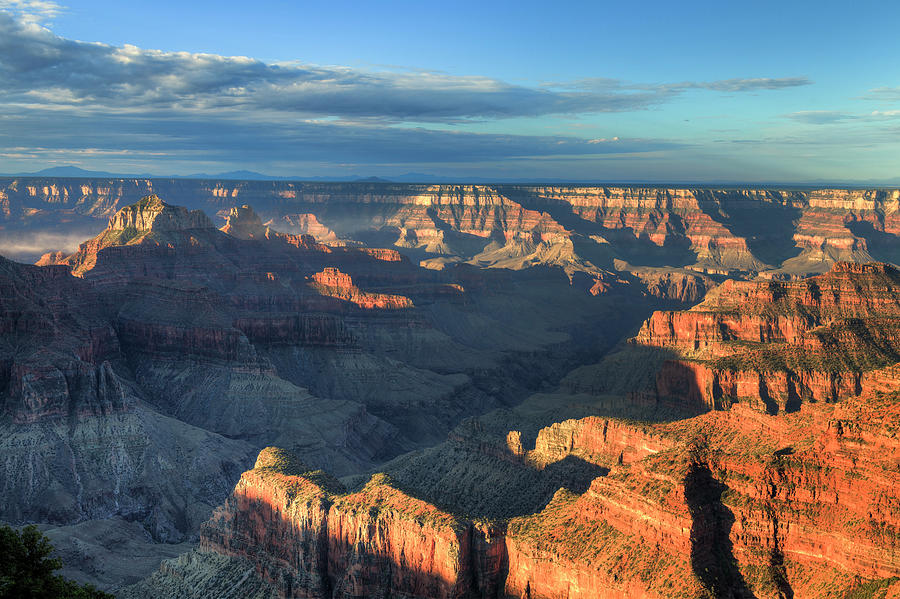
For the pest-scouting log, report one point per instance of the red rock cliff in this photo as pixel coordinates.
(778, 344)
(311, 540)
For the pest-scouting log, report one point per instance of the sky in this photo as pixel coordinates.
(652, 91)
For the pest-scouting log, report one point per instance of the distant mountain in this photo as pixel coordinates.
(245, 175)
(236, 175)
(73, 171)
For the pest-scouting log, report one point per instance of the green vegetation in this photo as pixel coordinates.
(561, 528)
(281, 461)
(122, 236)
(873, 589)
(148, 201)
(286, 465)
(26, 568)
(380, 495)
(569, 529)
(848, 345)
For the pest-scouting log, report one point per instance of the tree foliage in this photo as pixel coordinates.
(27, 568)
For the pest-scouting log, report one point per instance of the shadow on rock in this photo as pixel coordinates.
(712, 557)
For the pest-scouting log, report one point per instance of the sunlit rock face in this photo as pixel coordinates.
(717, 518)
(779, 344)
(333, 283)
(741, 501)
(744, 447)
(311, 538)
(152, 214)
(733, 503)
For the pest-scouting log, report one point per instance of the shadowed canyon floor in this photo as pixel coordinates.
(473, 409)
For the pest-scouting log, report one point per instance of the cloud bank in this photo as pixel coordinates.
(91, 99)
(40, 67)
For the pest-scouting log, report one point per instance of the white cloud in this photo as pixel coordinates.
(32, 11)
(36, 65)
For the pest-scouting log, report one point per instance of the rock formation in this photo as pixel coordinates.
(747, 501)
(79, 440)
(730, 504)
(310, 538)
(488, 442)
(136, 390)
(242, 222)
(734, 232)
(333, 283)
(779, 344)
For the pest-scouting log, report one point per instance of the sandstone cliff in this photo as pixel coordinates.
(733, 504)
(310, 539)
(779, 344)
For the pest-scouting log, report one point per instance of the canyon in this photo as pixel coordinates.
(277, 389)
(143, 372)
(693, 498)
(643, 234)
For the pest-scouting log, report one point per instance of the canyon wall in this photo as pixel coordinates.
(781, 233)
(310, 538)
(765, 463)
(164, 344)
(779, 344)
(736, 504)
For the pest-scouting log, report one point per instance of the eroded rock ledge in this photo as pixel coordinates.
(706, 507)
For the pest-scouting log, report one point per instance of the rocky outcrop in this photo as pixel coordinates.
(602, 441)
(152, 214)
(310, 539)
(779, 344)
(52, 258)
(334, 283)
(148, 224)
(277, 516)
(242, 222)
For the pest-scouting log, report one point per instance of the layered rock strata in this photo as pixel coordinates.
(779, 344)
(178, 345)
(731, 504)
(782, 233)
(310, 539)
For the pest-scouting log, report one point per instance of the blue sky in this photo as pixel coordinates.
(653, 91)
